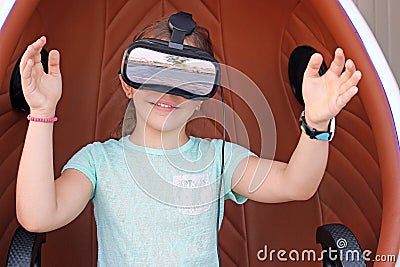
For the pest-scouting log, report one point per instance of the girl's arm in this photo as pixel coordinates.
(272, 181)
(43, 204)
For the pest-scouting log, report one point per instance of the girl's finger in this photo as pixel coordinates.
(344, 98)
(33, 52)
(27, 71)
(313, 66)
(337, 64)
(26, 74)
(350, 69)
(38, 44)
(352, 81)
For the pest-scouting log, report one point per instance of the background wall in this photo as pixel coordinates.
(383, 18)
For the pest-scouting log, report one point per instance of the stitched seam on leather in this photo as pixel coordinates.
(11, 125)
(109, 23)
(334, 179)
(209, 10)
(356, 170)
(227, 254)
(234, 227)
(296, 16)
(10, 153)
(122, 43)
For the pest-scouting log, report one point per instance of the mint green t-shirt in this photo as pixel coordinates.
(156, 207)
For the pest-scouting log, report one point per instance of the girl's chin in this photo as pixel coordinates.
(163, 126)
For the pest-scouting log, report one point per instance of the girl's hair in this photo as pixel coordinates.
(199, 38)
(159, 29)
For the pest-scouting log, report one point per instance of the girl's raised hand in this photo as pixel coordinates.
(42, 91)
(326, 95)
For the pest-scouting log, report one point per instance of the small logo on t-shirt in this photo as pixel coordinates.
(192, 193)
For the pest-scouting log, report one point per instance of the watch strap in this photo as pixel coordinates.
(315, 134)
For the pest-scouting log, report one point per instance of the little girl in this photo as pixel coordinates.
(154, 190)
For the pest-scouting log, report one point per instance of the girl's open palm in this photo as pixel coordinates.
(42, 91)
(324, 96)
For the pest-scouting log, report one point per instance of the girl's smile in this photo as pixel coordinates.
(164, 106)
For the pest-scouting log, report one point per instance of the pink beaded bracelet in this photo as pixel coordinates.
(54, 119)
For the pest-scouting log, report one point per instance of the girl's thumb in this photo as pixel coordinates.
(313, 66)
(54, 63)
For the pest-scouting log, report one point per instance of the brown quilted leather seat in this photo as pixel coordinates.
(361, 186)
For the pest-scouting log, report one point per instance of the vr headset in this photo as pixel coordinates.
(172, 67)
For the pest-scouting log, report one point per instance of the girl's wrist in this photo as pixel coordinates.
(42, 113)
(319, 126)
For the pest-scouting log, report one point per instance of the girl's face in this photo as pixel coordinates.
(160, 111)
(163, 112)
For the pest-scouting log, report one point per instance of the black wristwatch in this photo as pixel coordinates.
(315, 134)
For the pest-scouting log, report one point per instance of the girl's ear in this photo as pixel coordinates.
(129, 91)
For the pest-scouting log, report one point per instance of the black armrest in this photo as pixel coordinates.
(340, 247)
(25, 248)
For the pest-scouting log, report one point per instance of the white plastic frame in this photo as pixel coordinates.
(378, 59)
(5, 9)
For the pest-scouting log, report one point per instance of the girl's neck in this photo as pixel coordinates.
(159, 139)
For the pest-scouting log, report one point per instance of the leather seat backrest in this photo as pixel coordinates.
(360, 185)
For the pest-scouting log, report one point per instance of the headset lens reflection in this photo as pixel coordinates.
(149, 67)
